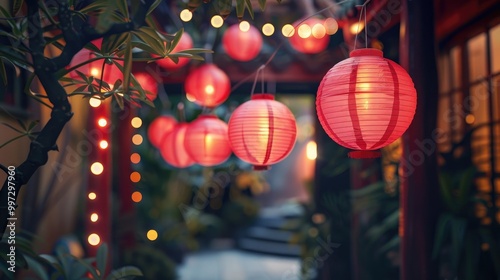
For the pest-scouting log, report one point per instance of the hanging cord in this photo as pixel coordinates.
(181, 112)
(363, 9)
(210, 42)
(261, 68)
(283, 41)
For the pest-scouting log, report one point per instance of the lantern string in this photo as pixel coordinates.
(363, 9)
(262, 79)
(260, 69)
(280, 45)
(181, 112)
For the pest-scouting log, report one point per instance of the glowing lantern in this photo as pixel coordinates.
(208, 85)
(262, 131)
(310, 36)
(172, 147)
(148, 83)
(206, 141)
(95, 68)
(159, 127)
(186, 42)
(242, 42)
(366, 102)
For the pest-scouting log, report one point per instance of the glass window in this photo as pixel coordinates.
(444, 73)
(455, 65)
(495, 49)
(476, 53)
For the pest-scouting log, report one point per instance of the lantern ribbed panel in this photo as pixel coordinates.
(159, 127)
(111, 72)
(206, 141)
(148, 83)
(208, 85)
(262, 131)
(311, 44)
(240, 45)
(186, 42)
(366, 102)
(172, 147)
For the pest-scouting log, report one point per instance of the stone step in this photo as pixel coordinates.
(269, 247)
(268, 234)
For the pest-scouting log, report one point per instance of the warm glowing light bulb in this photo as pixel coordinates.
(92, 196)
(470, 119)
(136, 122)
(288, 30)
(94, 72)
(94, 217)
(331, 26)
(103, 144)
(304, 31)
(268, 29)
(152, 234)
(318, 31)
(94, 102)
(102, 122)
(135, 177)
(311, 150)
(96, 168)
(137, 139)
(94, 239)
(209, 89)
(244, 26)
(356, 28)
(135, 158)
(186, 15)
(217, 21)
(136, 197)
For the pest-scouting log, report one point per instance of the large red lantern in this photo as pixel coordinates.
(242, 41)
(208, 85)
(148, 83)
(172, 147)
(159, 127)
(310, 36)
(262, 131)
(186, 42)
(366, 102)
(206, 141)
(109, 74)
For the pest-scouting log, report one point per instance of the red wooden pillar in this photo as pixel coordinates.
(98, 210)
(419, 198)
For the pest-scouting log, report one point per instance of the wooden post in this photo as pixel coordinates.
(418, 170)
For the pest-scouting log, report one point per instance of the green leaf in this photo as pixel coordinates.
(175, 40)
(13, 128)
(37, 268)
(225, 7)
(442, 230)
(150, 37)
(193, 4)
(127, 67)
(124, 272)
(446, 188)
(262, 4)
(457, 230)
(153, 6)
(240, 9)
(87, 264)
(94, 6)
(122, 7)
(465, 186)
(3, 73)
(249, 8)
(102, 258)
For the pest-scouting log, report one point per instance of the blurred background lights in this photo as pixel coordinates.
(96, 168)
(94, 217)
(102, 122)
(288, 30)
(136, 197)
(152, 234)
(94, 239)
(304, 31)
(311, 150)
(318, 31)
(94, 102)
(331, 26)
(216, 21)
(268, 29)
(136, 122)
(186, 15)
(135, 177)
(103, 144)
(137, 139)
(244, 26)
(92, 196)
(356, 27)
(135, 158)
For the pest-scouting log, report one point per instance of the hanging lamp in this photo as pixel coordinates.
(208, 85)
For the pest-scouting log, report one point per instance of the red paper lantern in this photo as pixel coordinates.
(310, 36)
(366, 102)
(186, 42)
(242, 43)
(208, 85)
(95, 69)
(159, 127)
(148, 83)
(262, 131)
(172, 147)
(206, 141)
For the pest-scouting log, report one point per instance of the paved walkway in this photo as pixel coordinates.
(232, 264)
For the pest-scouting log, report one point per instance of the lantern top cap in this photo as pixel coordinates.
(207, 116)
(366, 52)
(263, 96)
